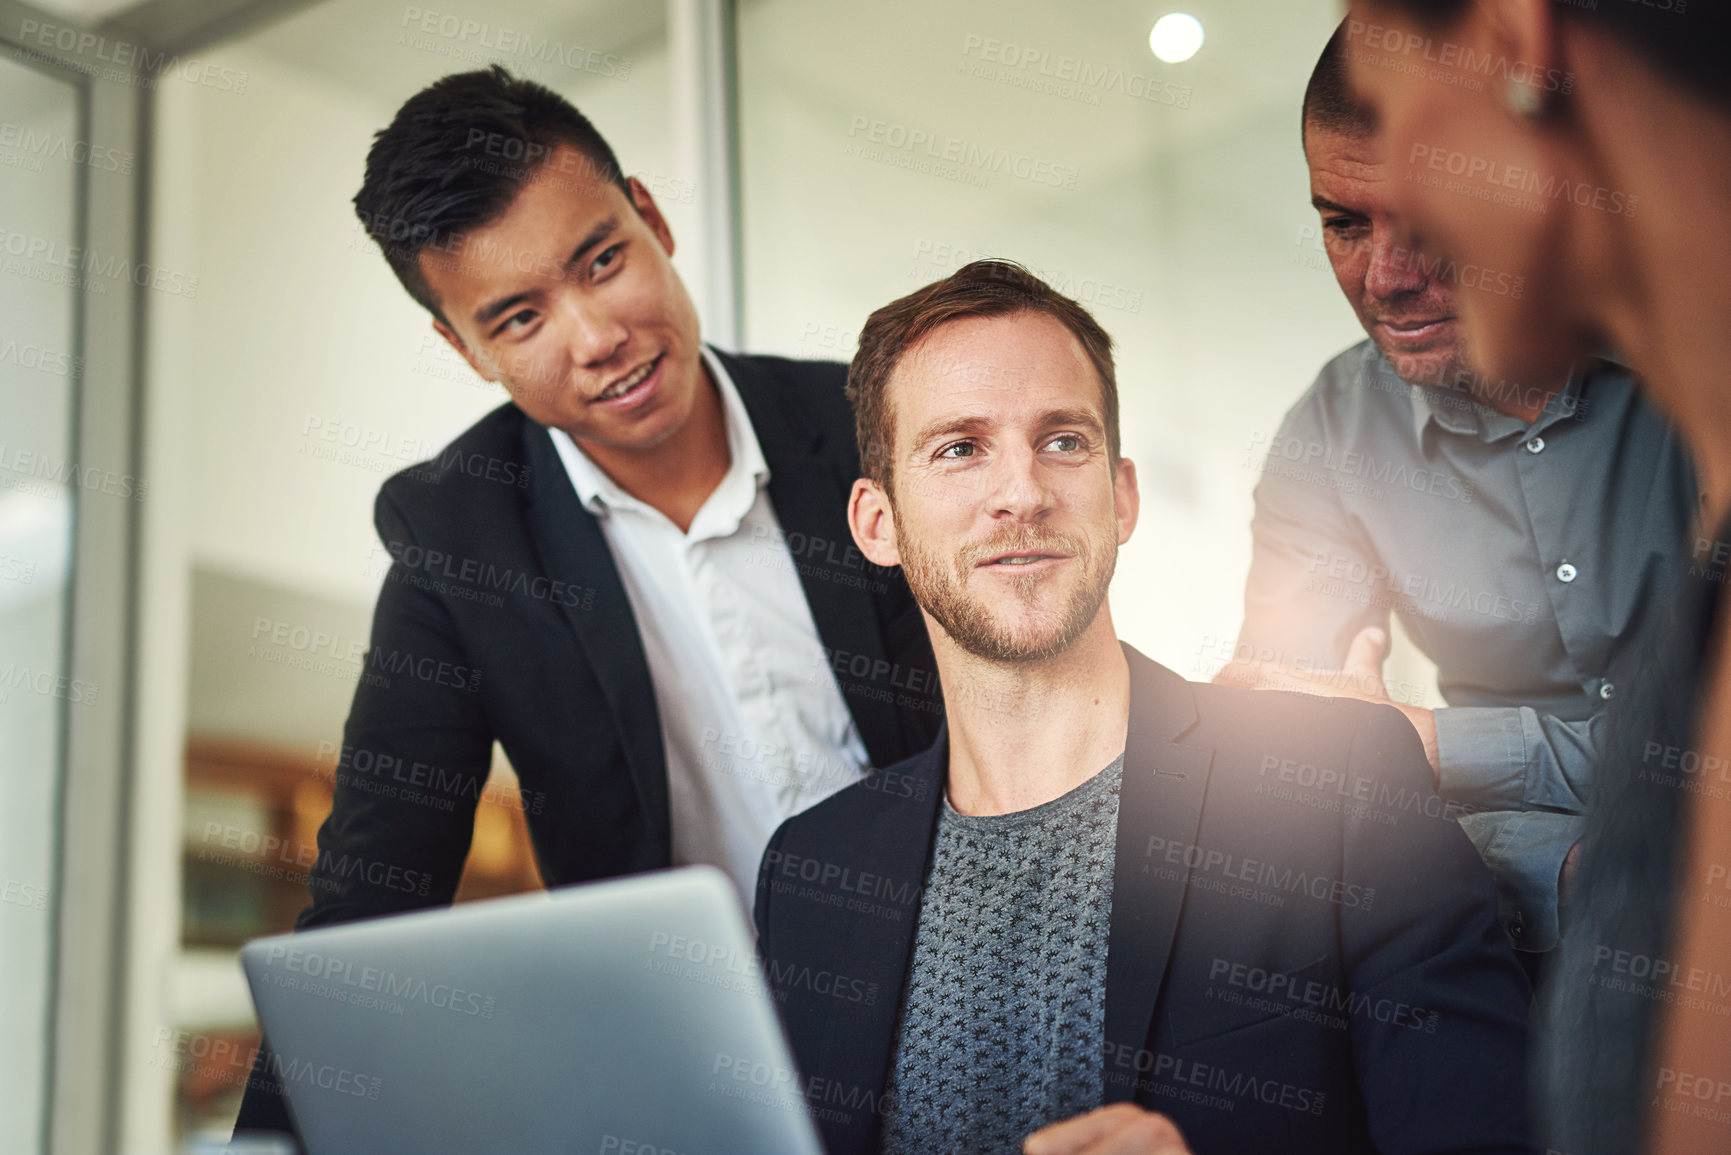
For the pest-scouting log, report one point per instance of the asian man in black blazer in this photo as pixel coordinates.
(1111, 910)
(636, 576)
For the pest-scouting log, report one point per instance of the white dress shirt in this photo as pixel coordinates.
(754, 727)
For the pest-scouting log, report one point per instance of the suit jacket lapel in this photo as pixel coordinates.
(1162, 797)
(810, 496)
(897, 847)
(572, 549)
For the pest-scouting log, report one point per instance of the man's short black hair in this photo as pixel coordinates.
(1329, 102)
(454, 158)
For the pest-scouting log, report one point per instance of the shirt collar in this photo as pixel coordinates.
(747, 471)
(1456, 411)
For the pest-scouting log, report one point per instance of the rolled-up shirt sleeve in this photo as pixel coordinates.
(1526, 773)
(1524, 850)
(1515, 758)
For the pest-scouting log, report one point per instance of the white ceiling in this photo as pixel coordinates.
(352, 42)
(85, 11)
(322, 38)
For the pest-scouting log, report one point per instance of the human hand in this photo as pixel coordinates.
(1359, 676)
(1566, 876)
(1119, 1129)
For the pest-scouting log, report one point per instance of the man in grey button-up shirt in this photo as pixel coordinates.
(1522, 535)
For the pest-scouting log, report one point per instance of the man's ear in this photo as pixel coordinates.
(1126, 499)
(872, 523)
(478, 362)
(651, 214)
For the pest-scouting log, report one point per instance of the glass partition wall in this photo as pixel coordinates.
(39, 368)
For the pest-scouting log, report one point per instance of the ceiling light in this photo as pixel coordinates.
(1176, 37)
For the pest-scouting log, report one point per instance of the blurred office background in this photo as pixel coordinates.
(206, 371)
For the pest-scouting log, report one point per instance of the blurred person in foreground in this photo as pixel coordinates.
(1609, 191)
(1091, 900)
(1521, 533)
(633, 576)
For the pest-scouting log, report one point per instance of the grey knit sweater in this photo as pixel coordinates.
(1002, 1019)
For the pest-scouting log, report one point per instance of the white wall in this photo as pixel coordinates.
(1188, 231)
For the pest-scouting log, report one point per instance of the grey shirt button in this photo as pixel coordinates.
(1566, 572)
(1536, 445)
(1607, 691)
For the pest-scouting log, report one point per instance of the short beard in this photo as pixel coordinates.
(1455, 374)
(939, 585)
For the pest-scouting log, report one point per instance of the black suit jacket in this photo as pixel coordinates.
(1304, 953)
(503, 617)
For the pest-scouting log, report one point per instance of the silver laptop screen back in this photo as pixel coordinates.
(625, 1017)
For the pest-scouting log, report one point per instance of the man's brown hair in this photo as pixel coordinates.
(988, 288)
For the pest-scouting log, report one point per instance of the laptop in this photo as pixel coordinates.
(626, 1017)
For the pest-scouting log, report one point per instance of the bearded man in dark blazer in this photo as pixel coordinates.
(1111, 910)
